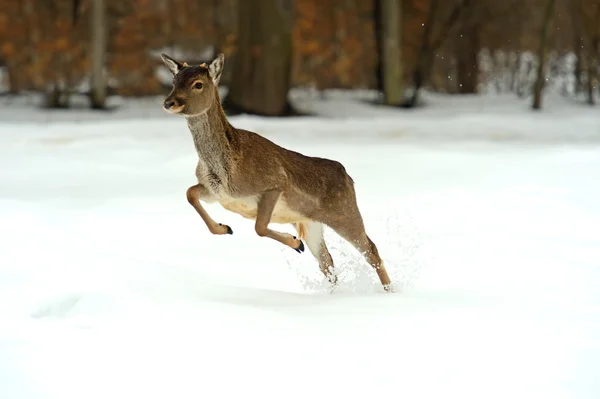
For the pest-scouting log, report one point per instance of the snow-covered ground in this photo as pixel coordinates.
(486, 214)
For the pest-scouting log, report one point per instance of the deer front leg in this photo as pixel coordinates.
(194, 195)
(266, 204)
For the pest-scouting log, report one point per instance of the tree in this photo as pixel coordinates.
(590, 18)
(539, 83)
(390, 14)
(430, 41)
(575, 10)
(98, 35)
(261, 75)
(467, 47)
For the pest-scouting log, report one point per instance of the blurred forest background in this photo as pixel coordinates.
(99, 48)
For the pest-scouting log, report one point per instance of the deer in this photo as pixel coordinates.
(254, 177)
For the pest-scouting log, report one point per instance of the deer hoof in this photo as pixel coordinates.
(229, 231)
(300, 248)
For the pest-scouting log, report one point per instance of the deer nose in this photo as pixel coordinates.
(169, 103)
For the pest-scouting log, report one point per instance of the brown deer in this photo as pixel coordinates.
(250, 175)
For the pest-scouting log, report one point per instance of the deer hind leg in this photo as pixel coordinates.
(351, 228)
(265, 207)
(194, 195)
(312, 232)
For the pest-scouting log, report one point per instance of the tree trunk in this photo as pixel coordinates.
(98, 83)
(539, 83)
(57, 96)
(14, 82)
(391, 51)
(591, 100)
(261, 75)
(216, 26)
(422, 68)
(429, 44)
(594, 55)
(514, 74)
(423, 55)
(467, 68)
(592, 70)
(578, 71)
(577, 43)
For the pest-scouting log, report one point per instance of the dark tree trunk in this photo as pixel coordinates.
(57, 97)
(421, 70)
(98, 83)
(592, 70)
(467, 67)
(423, 55)
(577, 43)
(391, 50)
(14, 82)
(379, 43)
(591, 99)
(578, 71)
(429, 45)
(261, 75)
(594, 51)
(539, 83)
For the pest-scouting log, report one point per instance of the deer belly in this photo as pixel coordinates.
(248, 208)
(245, 207)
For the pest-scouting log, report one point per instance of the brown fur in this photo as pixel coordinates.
(301, 228)
(250, 175)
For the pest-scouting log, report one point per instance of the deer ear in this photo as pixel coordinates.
(216, 68)
(174, 66)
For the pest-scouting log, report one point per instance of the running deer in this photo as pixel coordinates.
(250, 175)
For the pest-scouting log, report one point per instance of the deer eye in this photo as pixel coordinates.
(198, 85)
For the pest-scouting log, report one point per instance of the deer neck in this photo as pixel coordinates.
(209, 131)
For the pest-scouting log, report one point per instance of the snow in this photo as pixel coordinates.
(485, 213)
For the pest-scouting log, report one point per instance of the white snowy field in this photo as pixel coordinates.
(487, 215)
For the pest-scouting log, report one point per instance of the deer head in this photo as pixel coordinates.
(194, 86)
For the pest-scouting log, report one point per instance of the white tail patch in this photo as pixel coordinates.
(313, 235)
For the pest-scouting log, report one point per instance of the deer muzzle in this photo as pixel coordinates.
(173, 105)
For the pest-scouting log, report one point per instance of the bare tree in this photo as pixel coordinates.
(468, 45)
(430, 43)
(261, 75)
(539, 83)
(577, 42)
(590, 16)
(98, 83)
(390, 14)
(467, 68)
